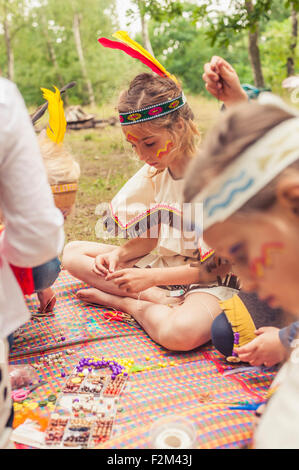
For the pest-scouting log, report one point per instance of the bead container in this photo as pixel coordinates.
(87, 406)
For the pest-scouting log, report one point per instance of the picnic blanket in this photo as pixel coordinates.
(189, 384)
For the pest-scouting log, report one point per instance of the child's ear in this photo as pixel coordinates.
(180, 125)
(287, 193)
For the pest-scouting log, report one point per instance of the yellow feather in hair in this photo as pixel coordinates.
(57, 122)
(125, 38)
(239, 318)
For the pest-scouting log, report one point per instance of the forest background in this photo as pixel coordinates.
(49, 42)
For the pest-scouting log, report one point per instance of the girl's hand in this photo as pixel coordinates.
(265, 349)
(106, 263)
(223, 82)
(132, 279)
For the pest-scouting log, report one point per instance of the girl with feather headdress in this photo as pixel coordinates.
(63, 173)
(158, 123)
(62, 169)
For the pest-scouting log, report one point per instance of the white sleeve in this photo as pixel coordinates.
(34, 226)
(279, 424)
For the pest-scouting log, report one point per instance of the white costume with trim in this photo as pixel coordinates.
(154, 202)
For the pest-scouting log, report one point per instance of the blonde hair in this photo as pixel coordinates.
(239, 128)
(60, 164)
(146, 90)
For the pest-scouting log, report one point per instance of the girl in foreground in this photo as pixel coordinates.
(251, 217)
(158, 123)
(269, 344)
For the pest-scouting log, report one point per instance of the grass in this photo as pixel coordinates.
(107, 163)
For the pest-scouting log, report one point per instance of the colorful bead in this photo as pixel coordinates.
(42, 403)
(52, 398)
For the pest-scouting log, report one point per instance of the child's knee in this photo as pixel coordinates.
(71, 249)
(179, 336)
(73, 246)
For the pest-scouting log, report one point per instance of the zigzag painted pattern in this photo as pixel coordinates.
(257, 266)
(230, 197)
(165, 150)
(225, 185)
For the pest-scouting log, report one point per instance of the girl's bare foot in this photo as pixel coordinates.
(97, 297)
(91, 296)
(155, 295)
(47, 300)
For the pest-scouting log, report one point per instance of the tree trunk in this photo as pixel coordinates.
(254, 54)
(291, 58)
(253, 48)
(9, 50)
(144, 29)
(77, 36)
(56, 67)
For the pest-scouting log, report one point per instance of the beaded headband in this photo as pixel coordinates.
(258, 165)
(152, 112)
(133, 49)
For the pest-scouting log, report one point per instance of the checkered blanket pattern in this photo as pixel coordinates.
(188, 384)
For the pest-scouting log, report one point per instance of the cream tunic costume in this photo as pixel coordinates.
(153, 202)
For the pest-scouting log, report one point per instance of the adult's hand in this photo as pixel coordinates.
(222, 82)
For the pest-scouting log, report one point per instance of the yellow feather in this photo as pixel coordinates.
(125, 38)
(57, 122)
(239, 318)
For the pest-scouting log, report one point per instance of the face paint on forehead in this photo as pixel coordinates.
(131, 138)
(258, 264)
(164, 151)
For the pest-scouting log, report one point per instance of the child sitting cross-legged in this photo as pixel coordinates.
(158, 123)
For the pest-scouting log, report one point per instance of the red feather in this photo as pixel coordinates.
(131, 52)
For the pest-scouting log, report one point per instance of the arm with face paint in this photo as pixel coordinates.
(288, 334)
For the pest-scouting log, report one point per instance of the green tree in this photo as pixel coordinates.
(275, 49)
(182, 47)
(293, 42)
(223, 25)
(13, 17)
(45, 51)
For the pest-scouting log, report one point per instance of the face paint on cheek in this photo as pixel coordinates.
(235, 248)
(258, 264)
(131, 138)
(164, 151)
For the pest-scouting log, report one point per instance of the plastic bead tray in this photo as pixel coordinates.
(85, 410)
